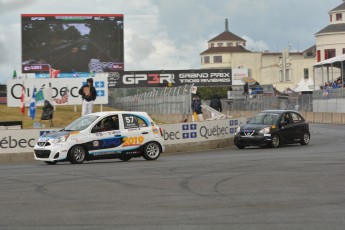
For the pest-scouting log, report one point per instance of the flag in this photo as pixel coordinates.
(53, 73)
(40, 95)
(22, 100)
(14, 76)
(32, 110)
(75, 74)
(193, 89)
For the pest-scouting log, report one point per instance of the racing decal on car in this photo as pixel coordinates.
(96, 143)
(133, 141)
(155, 130)
(110, 151)
(106, 143)
(248, 133)
(74, 133)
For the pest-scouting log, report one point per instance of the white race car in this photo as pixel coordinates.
(102, 135)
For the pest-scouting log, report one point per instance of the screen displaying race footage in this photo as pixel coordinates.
(72, 43)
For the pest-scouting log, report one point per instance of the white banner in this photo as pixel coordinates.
(55, 88)
(200, 131)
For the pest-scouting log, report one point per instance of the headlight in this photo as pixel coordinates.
(265, 130)
(238, 129)
(60, 139)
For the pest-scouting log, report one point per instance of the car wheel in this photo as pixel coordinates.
(152, 151)
(77, 154)
(275, 141)
(51, 162)
(125, 158)
(306, 138)
(240, 146)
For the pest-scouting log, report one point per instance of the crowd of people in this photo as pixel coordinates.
(338, 83)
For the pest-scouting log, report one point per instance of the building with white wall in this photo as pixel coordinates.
(284, 69)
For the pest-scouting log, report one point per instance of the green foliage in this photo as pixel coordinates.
(207, 93)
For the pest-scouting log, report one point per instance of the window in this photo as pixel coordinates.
(318, 55)
(329, 53)
(287, 75)
(220, 44)
(229, 44)
(338, 17)
(131, 121)
(296, 118)
(330, 18)
(306, 73)
(343, 50)
(107, 124)
(212, 44)
(207, 59)
(217, 59)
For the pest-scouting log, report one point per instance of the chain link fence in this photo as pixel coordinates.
(177, 100)
(168, 100)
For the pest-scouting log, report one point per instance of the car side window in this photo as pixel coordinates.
(296, 118)
(131, 121)
(107, 124)
(286, 118)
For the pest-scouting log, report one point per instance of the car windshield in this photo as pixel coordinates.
(264, 119)
(81, 123)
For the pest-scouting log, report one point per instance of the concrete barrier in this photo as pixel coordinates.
(17, 145)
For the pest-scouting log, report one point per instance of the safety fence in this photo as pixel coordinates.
(167, 100)
(177, 100)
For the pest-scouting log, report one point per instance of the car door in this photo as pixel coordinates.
(105, 137)
(299, 125)
(286, 131)
(136, 132)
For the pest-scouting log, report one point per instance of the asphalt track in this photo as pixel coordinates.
(291, 187)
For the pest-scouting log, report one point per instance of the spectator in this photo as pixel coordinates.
(216, 104)
(197, 111)
(48, 112)
(88, 94)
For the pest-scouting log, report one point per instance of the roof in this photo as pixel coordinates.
(226, 49)
(333, 28)
(335, 61)
(339, 8)
(227, 36)
(105, 113)
(279, 111)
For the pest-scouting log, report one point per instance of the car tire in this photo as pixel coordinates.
(305, 139)
(50, 162)
(275, 141)
(125, 158)
(240, 146)
(152, 151)
(77, 154)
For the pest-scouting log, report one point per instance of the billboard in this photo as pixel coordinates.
(72, 43)
(163, 78)
(58, 90)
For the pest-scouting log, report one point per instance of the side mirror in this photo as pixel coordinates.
(283, 123)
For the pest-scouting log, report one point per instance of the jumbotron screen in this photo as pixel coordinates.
(72, 43)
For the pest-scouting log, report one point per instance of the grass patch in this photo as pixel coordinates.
(63, 115)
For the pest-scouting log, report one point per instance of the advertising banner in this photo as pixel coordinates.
(200, 131)
(164, 78)
(58, 91)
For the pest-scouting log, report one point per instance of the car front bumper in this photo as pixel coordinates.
(258, 140)
(51, 153)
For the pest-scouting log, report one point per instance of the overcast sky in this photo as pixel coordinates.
(171, 34)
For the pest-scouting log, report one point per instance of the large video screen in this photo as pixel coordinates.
(72, 43)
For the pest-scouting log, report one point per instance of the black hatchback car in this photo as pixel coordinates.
(271, 128)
